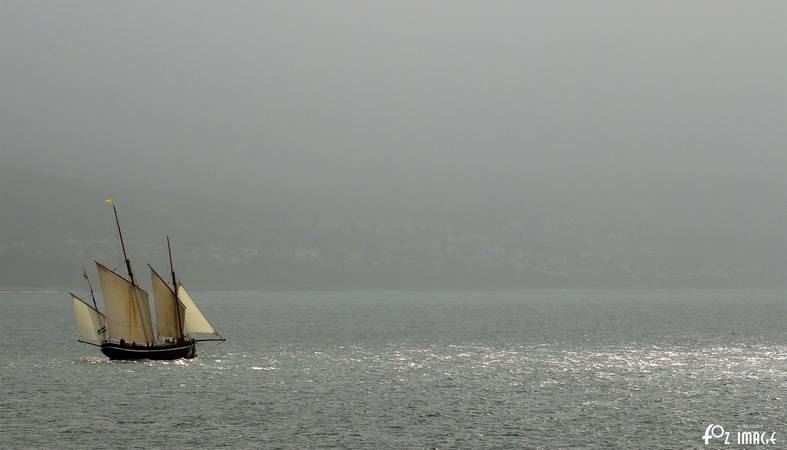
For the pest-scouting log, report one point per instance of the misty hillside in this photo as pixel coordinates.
(257, 240)
(397, 145)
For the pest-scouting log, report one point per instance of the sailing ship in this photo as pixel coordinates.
(125, 330)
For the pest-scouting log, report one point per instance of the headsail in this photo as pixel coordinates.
(128, 309)
(91, 323)
(169, 321)
(194, 321)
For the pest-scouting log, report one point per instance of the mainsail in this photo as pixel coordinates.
(128, 309)
(90, 321)
(169, 320)
(194, 321)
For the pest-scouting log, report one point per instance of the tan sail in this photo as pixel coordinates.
(128, 309)
(90, 322)
(169, 320)
(195, 322)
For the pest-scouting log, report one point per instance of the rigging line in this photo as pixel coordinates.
(213, 347)
(114, 250)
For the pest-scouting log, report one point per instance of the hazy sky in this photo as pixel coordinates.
(671, 109)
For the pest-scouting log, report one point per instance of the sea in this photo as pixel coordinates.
(412, 369)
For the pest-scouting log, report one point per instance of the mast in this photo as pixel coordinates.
(84, 274)
(128, 265)
(122, 245)
(175, 289)
(103, 329)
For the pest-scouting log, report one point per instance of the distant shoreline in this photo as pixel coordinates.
(437, 289)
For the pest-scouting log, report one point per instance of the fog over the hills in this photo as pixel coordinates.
(419, 144)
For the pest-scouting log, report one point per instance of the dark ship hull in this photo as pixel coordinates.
(124, 351)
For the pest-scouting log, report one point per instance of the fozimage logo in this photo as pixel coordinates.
(754, 435)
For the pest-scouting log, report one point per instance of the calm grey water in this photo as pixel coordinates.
(588, 369)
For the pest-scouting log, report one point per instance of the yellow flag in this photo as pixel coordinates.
(108, 200)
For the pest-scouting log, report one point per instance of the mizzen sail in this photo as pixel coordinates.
(90, 322)
(169, 311)
(194, 321)
(128, 309)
